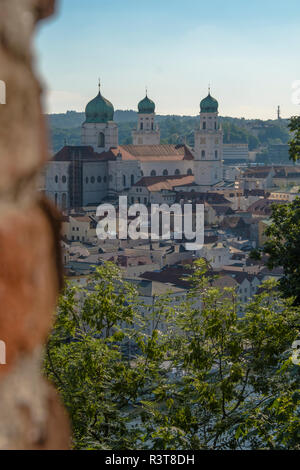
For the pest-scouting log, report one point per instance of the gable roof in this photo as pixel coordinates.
(162, 152)
(157, 183)
(76, 152)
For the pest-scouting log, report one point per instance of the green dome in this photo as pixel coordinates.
(99, 110)
(146, 106)
(209, 105)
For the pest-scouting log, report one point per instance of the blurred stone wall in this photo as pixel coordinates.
(31, 416)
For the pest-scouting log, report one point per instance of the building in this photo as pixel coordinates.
(235, 153)
(101, 169)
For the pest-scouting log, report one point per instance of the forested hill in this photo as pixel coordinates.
(65, 128)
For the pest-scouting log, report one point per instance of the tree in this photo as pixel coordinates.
(294, 127)
(283, 246)
(189, 375)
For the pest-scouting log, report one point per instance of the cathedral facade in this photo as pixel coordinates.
(100, 169)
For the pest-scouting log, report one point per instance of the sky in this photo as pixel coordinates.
(248, 51)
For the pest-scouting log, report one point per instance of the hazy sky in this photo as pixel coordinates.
(248, 50)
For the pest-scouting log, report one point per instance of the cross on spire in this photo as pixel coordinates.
(99, 84)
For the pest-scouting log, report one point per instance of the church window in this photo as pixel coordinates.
(142, 126)
(101, 140)
(204, 126)
(177, 172)
(99, 179)
(124, 180)
(216, 154)
(92, 179)
(189, 172)
(203, 154)
(153, 173)
(132, 180)
(64, 179)
(165, 173)
(56, 179)
(152, 126)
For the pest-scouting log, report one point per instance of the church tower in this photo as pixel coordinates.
(99, 130)
(208, 164)
(147, 132)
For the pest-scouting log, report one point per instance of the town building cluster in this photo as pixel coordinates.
(237, 199)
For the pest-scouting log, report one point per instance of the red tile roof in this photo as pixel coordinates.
(165, 152)
(157, 183)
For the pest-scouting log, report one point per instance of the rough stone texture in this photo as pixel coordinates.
(31, 416)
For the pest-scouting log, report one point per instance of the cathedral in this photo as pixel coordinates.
(100, 169)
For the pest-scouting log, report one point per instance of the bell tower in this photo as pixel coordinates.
(208, 164)
(147, 132)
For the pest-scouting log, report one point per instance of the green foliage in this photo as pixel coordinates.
(294, 127)
(189, 375)
(174, 129)
(283, 246)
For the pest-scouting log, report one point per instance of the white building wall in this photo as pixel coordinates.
(90, 135)
(183, 166)
(95, 182)
(57, 183)
(208, 167)
(147, 132)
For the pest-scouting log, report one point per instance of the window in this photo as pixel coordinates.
(204, 126)
(153, 173)
(99, 179)
(132, 180)
(104, 179)
(216, 154)
(124, 180)
(152, 126)
(55, 198)
(189, 172)
(177, 172)
(215, 125)
(145, 200)
(101, 140)
(93, 179)
(165, 173)
(64, 201)
(56, 179)
(142, 126)
(86, 180)
(203, 154)
(64, 179)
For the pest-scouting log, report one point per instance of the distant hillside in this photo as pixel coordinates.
(65, 128)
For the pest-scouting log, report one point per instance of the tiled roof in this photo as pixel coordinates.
(157, 183)
(263, 206)
(199, 197)
(68, 153)
(165, 152)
